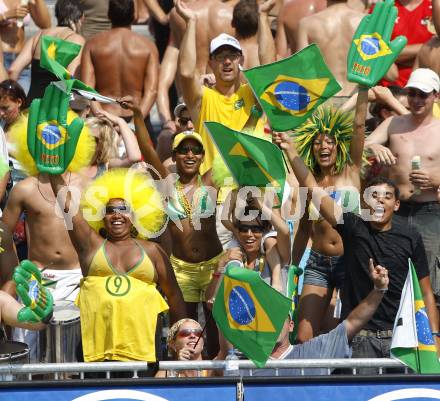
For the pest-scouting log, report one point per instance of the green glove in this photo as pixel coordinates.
(371, 53)
(37, 299)
(51, 141)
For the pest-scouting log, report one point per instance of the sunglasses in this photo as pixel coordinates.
(420, 94)
(184, 150)
(187, 332)
(243, 228)
(223, 56)
(117, 209)
(184, 120)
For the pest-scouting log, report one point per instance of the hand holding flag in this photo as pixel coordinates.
(37, 299)
(371, 53)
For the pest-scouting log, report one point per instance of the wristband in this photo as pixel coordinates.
(216, 274)
(382, 290)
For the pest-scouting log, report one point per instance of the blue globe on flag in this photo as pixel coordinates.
(424, 334)
(241, 306)
(292, 96)
(370, 46)
(51, 134)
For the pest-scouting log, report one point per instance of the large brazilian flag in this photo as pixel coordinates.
(249, 312)
(290, 89)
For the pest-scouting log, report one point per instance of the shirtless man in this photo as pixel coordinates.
(407, 136)
(245, 24)
(291, 12)
(49, 244)
(120, 62)
(337, 25)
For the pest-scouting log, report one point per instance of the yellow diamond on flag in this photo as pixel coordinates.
(52, 50)
(238, 150)
(371, 46)
(294, 95)
(243, 310)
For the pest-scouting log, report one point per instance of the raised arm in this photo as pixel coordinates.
(266, 44)
(40, 14)
(157, 12)
(74, 66)
(187, 67)
(328, 208)
(360, 315)
(150, 80)
(143, 137)
(358, 139)
(84, 239)
(167, 75)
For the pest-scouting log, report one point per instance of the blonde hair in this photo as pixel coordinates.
(106, 139)
(174, 329)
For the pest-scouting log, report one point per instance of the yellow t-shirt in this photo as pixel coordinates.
(233, 112)
(119, 311)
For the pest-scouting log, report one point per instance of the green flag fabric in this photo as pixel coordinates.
(252, 161)
(249, 312)
(293, 275)
(290, 89)
(57, 54)
(413, 342)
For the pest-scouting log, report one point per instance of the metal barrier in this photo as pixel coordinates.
(59, 370)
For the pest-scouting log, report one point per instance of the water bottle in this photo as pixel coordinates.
(231, 368)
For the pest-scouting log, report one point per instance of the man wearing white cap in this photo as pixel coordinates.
(228, 102)
(412, 153)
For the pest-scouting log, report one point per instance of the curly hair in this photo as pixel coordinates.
(329, 121)
(174, 329)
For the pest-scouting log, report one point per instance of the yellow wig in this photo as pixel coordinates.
(137, 189)
(84, 153)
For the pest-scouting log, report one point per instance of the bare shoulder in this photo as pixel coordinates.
(153, 250)
(78, 39)
(26, 186)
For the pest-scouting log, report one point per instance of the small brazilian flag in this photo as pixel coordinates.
(57, 54)
(249, 312)
(290, 89)
(252, 161)
(413, 342)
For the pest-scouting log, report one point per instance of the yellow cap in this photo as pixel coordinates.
(186, 135)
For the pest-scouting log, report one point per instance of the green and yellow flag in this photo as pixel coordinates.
(57, 54)
(413, 341)
(252, 161)
(290, 89)
(249, 312)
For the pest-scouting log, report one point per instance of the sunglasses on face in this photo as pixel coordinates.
(117, 209)
(223, 56)
(243, 228)
(187, 332)
(184, 150)
(420, 94)
(184, 120)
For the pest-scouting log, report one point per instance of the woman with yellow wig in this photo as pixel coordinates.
(118, 299)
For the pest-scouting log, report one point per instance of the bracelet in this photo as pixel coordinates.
(382, 290)
(216, 274)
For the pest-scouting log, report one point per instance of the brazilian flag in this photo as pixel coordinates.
(57, 54)
(290, 89)
(252, 161)
(249, 312)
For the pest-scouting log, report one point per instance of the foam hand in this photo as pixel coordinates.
(371, 53)
(37, 299)
(51, 140)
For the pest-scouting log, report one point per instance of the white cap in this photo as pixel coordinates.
(224, 40)
(424, 79)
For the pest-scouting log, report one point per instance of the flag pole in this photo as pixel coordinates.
(204, 328)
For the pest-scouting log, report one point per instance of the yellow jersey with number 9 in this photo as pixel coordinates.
(119, 311)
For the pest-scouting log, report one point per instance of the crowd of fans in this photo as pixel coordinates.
(123, 280)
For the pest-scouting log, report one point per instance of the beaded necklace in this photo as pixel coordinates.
(183, 200)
